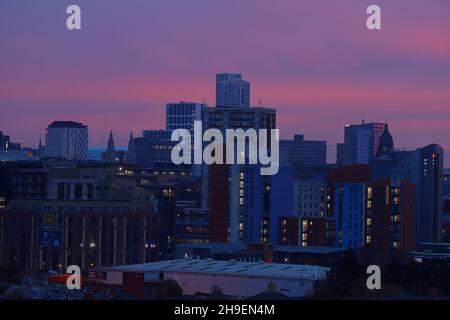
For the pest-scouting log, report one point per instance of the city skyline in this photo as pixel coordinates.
(318, 66)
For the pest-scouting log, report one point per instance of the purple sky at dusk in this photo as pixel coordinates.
(314, 60)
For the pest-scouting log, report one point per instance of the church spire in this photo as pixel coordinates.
(131, 141)
(111, 142)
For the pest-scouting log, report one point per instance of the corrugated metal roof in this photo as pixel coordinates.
(254, 269)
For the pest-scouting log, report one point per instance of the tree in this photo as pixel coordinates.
(216, 292)
(173, 288)
(345, 277)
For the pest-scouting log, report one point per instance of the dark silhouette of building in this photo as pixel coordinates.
(111, 155)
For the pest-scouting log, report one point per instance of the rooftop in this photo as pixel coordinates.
(236, 268)
(66, 124)
(231, 247)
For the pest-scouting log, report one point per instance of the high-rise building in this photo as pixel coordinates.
(349, 214)
(346, 205)
(67, 140)
(310, 198)
(221, 184)
(304, 232)
(390, 216)
(7, 145)
(4, 141)
(232, 90)
(446, 185)
(182, 115)
(307, 153)
(340, 154)
(361, 142)
(258, 202)
(424, 168)
(157, 134)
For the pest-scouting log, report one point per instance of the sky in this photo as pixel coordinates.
(313, 60)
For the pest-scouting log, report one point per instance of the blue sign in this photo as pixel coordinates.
(51, 239)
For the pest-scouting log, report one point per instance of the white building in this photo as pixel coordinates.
(66, 139)
(234, 278)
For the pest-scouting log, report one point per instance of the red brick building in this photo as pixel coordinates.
(391, 216)
(305, 232)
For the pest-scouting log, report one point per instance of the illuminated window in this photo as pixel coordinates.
(387, 195)
(369, 192)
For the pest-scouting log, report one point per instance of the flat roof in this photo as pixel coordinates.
(298, 249)
(235, 268)
(232, 247)
(214, 245)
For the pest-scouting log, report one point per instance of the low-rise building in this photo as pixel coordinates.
(233, 278)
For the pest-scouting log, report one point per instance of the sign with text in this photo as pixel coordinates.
(50, 220)
(50, 239)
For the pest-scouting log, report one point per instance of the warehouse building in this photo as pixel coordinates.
(234, 278)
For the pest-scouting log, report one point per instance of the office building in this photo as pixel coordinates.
(424, 168)
(306, 153)
(4, 141)
(340, 154)
(7, 145)
(153, 153)
(232, 90)
(157, 134)
(88, 214)
(361, 142)
(67, 140)
(182, 115)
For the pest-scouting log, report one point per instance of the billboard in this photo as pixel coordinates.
(50, 229)
(50, 220)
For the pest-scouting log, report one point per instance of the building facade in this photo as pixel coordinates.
(307, 153)
(361, 142)
(424, 168)
(232, 90)
(67, 140)
(391, 216)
